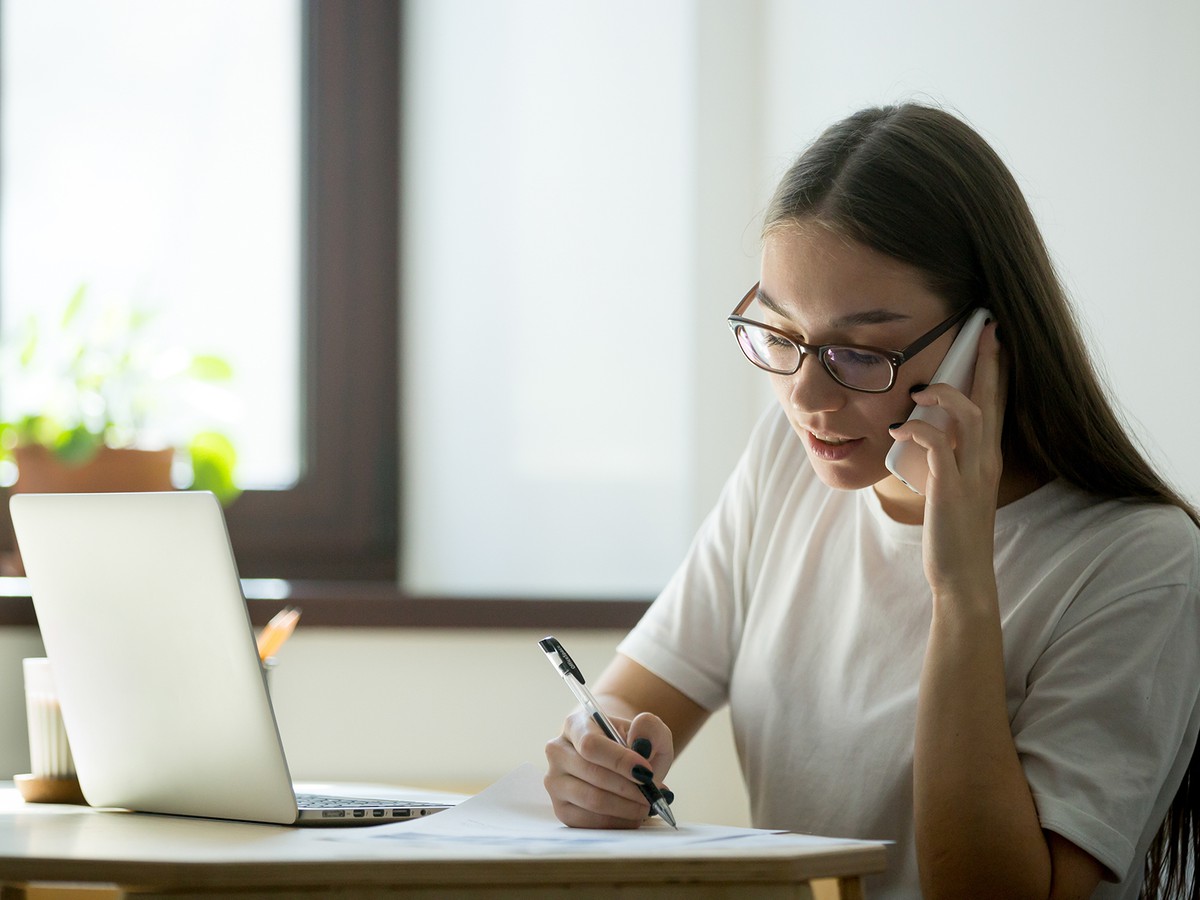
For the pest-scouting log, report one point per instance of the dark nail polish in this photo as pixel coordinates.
(642, 774)
(894, 426)
(642, 747)
(917, 388)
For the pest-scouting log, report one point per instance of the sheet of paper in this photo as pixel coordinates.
(514, 816)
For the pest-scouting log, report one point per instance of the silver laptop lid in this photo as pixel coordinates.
(143, 619)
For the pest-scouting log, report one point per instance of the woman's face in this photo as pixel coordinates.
(825, 288)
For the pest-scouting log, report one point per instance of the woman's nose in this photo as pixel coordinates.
(812, 389)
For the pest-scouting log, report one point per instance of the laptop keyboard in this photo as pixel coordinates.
(322, 801)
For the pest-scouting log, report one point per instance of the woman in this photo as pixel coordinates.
(1002, 675)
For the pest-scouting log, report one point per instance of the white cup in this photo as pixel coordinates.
(49, 752)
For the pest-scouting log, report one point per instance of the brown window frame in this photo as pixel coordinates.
(340, 520)
(334, 536)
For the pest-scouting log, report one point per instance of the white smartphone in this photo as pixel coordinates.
(906, 459)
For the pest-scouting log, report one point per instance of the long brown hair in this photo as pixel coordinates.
(920, 185)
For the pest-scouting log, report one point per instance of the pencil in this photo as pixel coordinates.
(278, 630)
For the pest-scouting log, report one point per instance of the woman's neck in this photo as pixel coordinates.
(908, 508)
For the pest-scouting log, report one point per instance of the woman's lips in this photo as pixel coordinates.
(830, 448)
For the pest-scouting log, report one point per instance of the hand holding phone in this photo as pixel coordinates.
(906, 460)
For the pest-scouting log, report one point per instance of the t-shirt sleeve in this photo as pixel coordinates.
(1110, 713)
(690, 634)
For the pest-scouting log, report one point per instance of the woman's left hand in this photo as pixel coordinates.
(965, 465)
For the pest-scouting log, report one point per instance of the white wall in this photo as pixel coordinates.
(454, 709)
(1094, 105)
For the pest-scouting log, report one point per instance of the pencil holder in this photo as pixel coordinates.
(268, 666)
(52, 776)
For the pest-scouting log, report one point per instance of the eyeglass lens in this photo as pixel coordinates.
(851, 366)
(858, 368)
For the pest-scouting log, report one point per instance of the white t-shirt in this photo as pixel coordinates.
(807, 610)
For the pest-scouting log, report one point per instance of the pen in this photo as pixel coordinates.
(278, 630)
(565, 666)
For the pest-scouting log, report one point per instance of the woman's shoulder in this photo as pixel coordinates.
(1149, 536)
(1061, 500)
(1065, 556)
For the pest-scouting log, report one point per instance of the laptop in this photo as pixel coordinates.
(163, 696)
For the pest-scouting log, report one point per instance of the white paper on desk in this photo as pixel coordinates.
(514, 815)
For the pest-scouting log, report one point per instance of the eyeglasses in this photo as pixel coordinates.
(869, 369)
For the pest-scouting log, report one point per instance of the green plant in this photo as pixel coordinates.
(90, 376)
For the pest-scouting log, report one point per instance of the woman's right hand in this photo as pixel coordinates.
(592, 780)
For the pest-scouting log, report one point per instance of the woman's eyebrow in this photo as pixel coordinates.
(877, 316)
(870, 317)
(762, 297)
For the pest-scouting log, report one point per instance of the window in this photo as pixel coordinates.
(549, 306)
(339, 520)
(561, 182)
(335, 516)
(578, 205)
(136, 166)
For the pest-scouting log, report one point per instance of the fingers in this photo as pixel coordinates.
(645, 747)
(650, 737)
(946, 436)
(990, 388)
(964, 436)
(582, 803)
(593, 781)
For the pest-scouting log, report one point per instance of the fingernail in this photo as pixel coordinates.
(642, 747)
(917, 388)
(642, 774)
(894, 426)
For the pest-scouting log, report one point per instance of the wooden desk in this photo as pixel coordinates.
(147, 856)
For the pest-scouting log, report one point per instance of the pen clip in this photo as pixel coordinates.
(560, 658)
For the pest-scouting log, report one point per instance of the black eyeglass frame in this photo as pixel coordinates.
(895, 358)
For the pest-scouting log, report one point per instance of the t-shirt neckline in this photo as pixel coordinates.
(1007, 516)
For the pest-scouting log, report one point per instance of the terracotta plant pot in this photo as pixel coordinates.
(40, 472)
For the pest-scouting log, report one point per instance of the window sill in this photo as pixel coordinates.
(374, 604)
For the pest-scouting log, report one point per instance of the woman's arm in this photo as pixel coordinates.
(590, 778)
(636, 689)
(977, 829)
